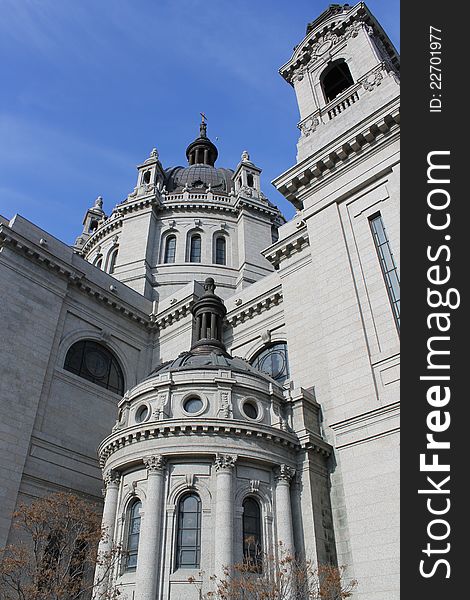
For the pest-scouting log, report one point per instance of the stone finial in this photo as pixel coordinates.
(111, 477)
(209, 285)
(284, 473)
(155, 464)
(99, 202)
(245, 156)
(154, 153)
(224, 462)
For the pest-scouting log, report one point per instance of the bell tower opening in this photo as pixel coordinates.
(335, 79)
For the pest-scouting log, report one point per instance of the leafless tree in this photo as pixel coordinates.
(56, 555)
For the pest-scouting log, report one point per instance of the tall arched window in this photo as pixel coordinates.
(92, 361)
(252, 543)
(112, 260)
(195, 248)
(220, 251)
(133, 533)
(188, 537)
(170, 249)
(335, 79)
(273, 360)
(99, 261)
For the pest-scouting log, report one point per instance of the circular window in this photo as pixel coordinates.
(193, 405)
(141, 414)
(251, 410)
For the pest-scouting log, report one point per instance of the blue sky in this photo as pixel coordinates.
(89, 87)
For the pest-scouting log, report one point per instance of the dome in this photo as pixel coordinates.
(189, 361)
(199, 177)
(201, 172)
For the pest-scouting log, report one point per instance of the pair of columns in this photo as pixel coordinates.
(150, 533)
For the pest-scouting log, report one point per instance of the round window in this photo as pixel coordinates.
(193, 405)
(141, 414)
(251, 410)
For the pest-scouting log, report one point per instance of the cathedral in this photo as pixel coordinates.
(233, 378)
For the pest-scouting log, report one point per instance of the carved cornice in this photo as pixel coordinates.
(76, 277)
(171, 315)
(179, 429)
(285, 248)
(244, 312)
(320, 166)
(104, 230)
(323, 38)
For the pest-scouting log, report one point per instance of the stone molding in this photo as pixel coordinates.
(323, 39)
(318, 167)
(209, 428)
(285, 248)
(244, 312)
(225, 462)
(76, 277)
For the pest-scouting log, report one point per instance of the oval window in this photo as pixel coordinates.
(192, 405)
(251, 410)
(141, 414)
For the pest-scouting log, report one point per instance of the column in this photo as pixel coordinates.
(204, 326)
(213, 326)
(146, 578)
(285, 533)
(224, 464)
(111, 481)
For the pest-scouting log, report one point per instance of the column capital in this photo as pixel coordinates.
(284, 473)
(155, 463)
(225, 462)
(111, 477)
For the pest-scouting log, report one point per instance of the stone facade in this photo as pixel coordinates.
(319, 449)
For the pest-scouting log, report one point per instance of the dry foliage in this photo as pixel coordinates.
(283, 578)
(57, 555)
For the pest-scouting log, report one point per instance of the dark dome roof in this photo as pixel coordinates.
(187, 361)
(199, 177)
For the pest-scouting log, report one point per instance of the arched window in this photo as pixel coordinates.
(195, 248)
(220, 251)
(170, 249)
(252, 546)
(335, 79)
(188, 537)
(112, 260)
(92, 361)
(273, 361)
(133, 533)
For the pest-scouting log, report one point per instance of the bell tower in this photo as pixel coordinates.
(344, 69)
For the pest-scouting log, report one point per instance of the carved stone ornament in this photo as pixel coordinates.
(284, 473)
(372, 80)
(224, 462)
(155, 464)
(325, 43)
(254, 486)
(309, 126)
(111, 477)
(224, 405)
